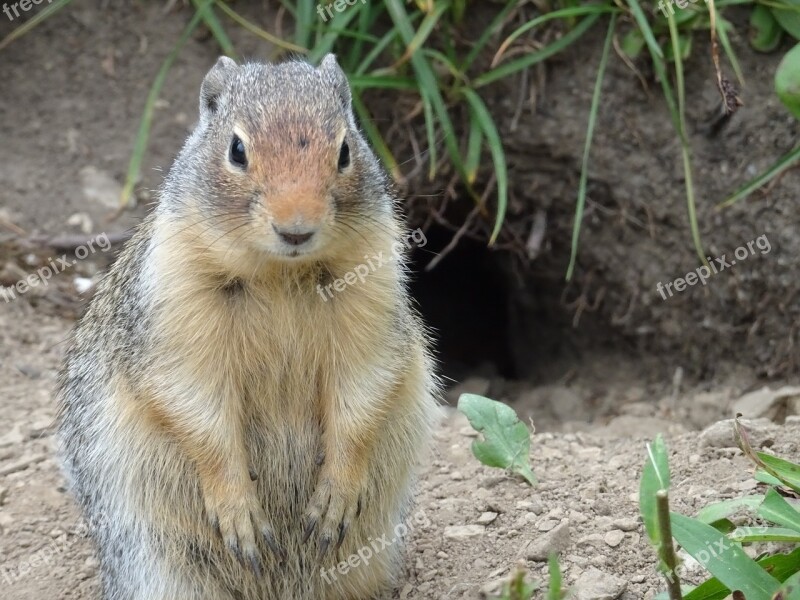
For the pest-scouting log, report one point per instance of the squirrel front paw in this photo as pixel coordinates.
(238, 518)
(332, 509)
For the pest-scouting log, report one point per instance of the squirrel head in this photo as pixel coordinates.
(277, 164)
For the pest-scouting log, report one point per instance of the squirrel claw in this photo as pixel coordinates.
(233, 546)
(273, 545)
(311, 523)
(342, 531)
(324, 544)
(255, 565)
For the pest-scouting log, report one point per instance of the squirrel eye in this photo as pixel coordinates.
(237, 155)
(344, 156)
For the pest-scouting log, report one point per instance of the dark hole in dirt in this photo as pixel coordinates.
(464, 300)
(493, 316)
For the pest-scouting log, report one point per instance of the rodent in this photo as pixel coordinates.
(227, 432)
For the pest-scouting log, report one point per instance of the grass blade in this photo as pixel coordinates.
(686, 152)
(644, 27)
(751, 186)
(143, 134)
(564, 13)
(725, 42)
(429, 82)
(595, 107)
(655, 477)
(484, 120)
(375, 137)
(258, 31)
(728, 563)
(474, 144)
(554, 574)
(493, 27)
(532, 58)
(423, 31)
(722, 510)
(33, 22)
(747, 535)
(217, 30)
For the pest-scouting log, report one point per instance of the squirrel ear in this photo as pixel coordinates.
(214, 83)
(333, 73)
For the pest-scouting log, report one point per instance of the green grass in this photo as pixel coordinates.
(713, 540)
(409, 48)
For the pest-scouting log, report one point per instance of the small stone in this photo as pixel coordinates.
(765, 402)
(614, 537)
(486, 518)
(625, 524)
(555, 541)
(594, 584)
(463, 532)
(547, 525)
(721, 434)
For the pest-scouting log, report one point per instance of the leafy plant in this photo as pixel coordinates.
(715, 542)
(506, 440)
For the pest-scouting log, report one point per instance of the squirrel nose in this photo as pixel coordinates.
(293, 238)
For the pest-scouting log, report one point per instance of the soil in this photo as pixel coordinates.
(601, 365)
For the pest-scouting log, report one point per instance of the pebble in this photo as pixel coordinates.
(626, 524)
(486, 518)
(555, 541)
(547, 525)
(614, 537)
(463, 532)
(721, 435)
(594, 584)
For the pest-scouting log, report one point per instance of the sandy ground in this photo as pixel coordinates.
(472, 524)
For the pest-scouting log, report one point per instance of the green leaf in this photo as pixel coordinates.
(748, 535)
(777, 510)
(787, 81)
(787, 472)
(655, 477)
(765, 31)
(789, 18)
(633, 43)
(723, 558)
(790, 590)
(721, 510)
(506, 440)
(780, 566)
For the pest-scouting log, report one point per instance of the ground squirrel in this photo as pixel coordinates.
(227, 432)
